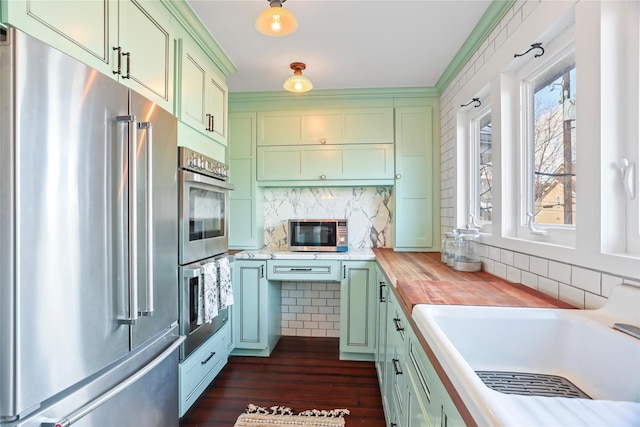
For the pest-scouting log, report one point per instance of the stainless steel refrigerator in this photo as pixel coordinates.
(88, 246)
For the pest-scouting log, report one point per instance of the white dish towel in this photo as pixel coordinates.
(226, 291)
(208, 294)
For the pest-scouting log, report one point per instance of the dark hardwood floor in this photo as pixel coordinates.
(301, 373)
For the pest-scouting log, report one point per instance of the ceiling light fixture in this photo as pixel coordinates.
(276, 21)
(298, 83)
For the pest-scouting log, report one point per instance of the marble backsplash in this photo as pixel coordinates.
(368, 210)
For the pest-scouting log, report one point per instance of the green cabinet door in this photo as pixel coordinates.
(82, 29)
(256, 309)
(381, 342)
(358, 291)
(127, 39)
(336, 126)
(246, 231)
(146, 35)
(349, 164)
(203, 93)
(415, 207)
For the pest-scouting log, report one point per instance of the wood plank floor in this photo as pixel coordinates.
(302, 373)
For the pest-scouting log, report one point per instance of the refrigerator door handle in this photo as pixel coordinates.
(86, 409)
(133, 220)
(148, 309)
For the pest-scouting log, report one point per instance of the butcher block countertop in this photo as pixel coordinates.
(421, 278)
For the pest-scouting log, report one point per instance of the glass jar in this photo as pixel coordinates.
(447, 244)
(451, 248)
(466, 258)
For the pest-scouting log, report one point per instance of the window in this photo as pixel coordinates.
(548, 149)
(481, 186)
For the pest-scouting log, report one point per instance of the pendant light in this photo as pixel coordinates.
(276, 21)
(298, 83)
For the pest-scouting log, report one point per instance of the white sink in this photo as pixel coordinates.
(578, 345)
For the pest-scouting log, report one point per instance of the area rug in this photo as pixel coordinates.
(282, 416)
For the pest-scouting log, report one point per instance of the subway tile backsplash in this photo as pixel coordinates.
(579, 286)
(311, 309)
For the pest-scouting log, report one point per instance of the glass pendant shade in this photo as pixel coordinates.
(276, 21)
(298, 83)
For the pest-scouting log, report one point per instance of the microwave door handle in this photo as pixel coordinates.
(132, 318)
(148, 309)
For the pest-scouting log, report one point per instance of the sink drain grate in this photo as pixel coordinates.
(530, 384)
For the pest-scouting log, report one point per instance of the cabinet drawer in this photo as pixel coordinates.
(304, 270)
(199, 369)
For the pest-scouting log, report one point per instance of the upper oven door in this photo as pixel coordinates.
(203, 217)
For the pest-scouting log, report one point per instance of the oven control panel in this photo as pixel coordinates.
(199, 163)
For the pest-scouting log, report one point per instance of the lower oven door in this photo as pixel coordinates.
(191, 280)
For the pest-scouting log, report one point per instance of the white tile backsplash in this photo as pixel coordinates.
(311, 309)
(539, 266)
(548, 286)
(585, 279)
(560, 272)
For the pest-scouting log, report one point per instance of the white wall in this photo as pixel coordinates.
(583, 275)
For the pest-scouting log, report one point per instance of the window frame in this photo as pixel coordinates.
(474, 118)
(561, 234)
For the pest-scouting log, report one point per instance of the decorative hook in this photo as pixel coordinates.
(472, 101)
(533, 46)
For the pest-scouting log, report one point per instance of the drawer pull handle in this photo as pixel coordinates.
(205, 361)
(300, 269)
(398, 324)
(396, 369)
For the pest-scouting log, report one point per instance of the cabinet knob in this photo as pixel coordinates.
(323, 141)
(398, 176)
(323, 177)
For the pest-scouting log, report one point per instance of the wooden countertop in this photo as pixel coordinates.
(421, 278)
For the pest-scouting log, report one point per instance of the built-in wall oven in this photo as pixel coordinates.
(203, 237)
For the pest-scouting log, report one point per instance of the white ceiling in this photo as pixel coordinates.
(344, 43)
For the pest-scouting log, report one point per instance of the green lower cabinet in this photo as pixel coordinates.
(201, 367)
(381, 325)
(358, 291)
(412, 393)
(448, 415)
(256, 312)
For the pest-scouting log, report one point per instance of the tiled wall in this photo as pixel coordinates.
(311, 309)
(579, 286)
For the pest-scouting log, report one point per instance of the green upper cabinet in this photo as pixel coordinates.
(326, 164)
(344, 126)
(203, 93)
(127, 39)
(416, 177)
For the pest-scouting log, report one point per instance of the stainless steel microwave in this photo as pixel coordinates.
(318, 235)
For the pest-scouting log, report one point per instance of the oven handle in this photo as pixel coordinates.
(190, 273)
(203, 179)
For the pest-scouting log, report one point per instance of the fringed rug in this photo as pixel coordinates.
(281, 416)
